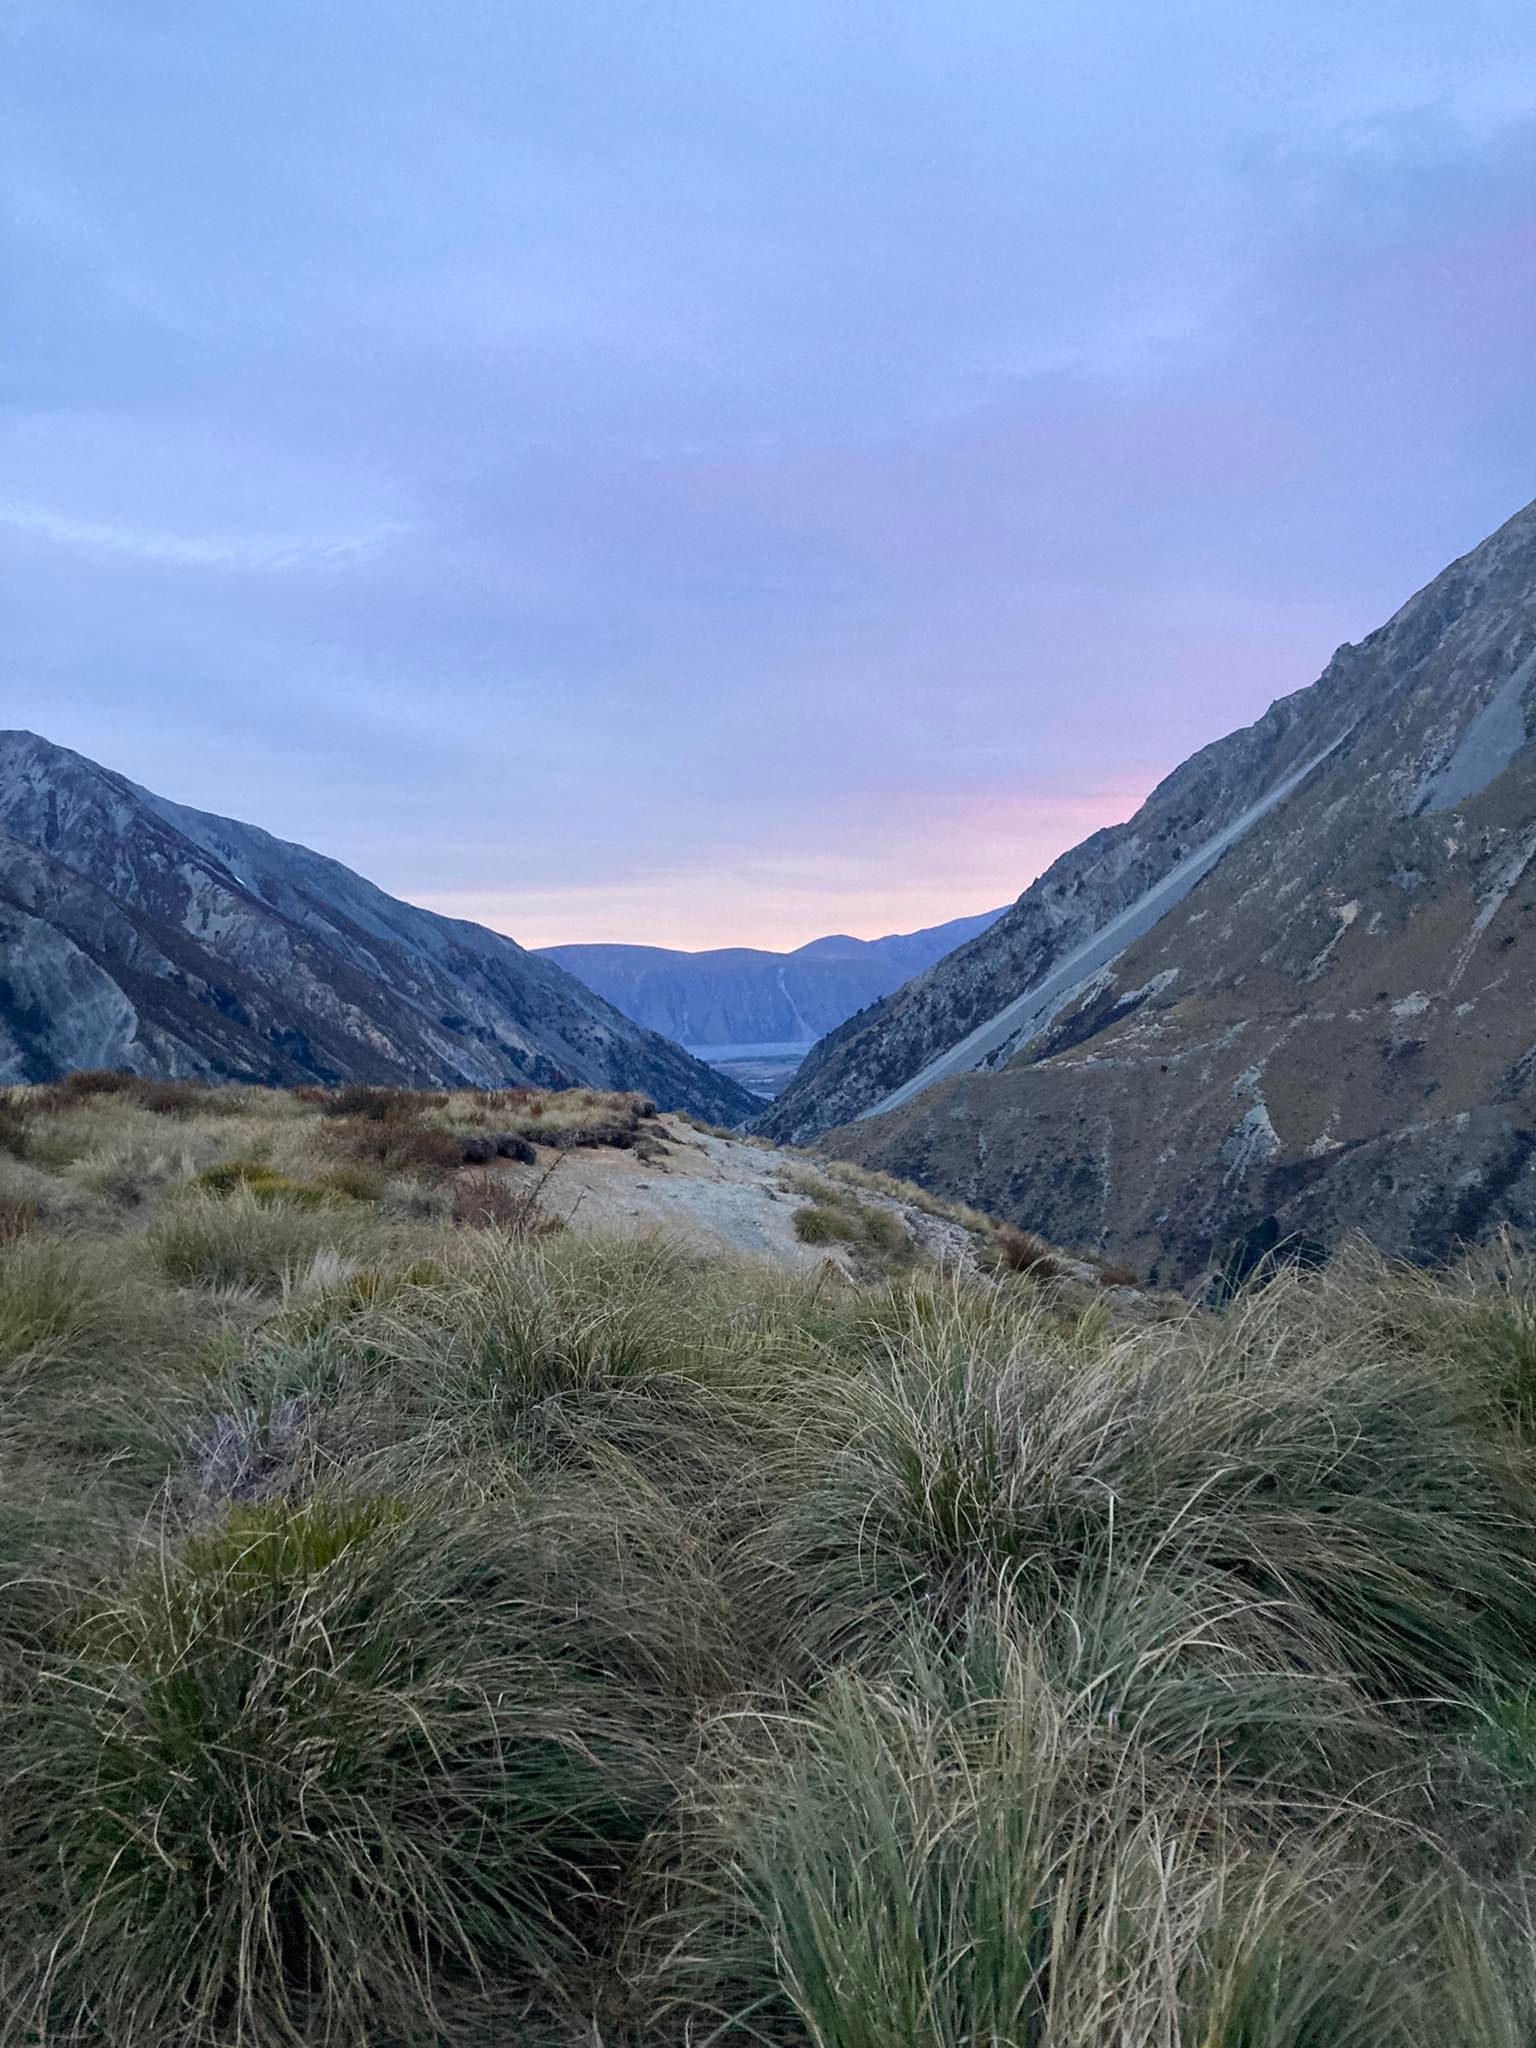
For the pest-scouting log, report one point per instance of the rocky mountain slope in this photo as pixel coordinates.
(738, 996)
(137, 933)
(1293, 996)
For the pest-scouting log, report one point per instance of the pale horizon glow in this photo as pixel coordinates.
(980, 858)
(697, 475)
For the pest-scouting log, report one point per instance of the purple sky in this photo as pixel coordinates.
(701, 474)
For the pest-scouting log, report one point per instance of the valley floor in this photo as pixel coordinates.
(510, 1568)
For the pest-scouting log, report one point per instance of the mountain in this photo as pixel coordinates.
(736, 1003)
(137, 933)
(1292, 997)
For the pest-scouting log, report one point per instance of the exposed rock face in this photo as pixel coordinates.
(137, 933)
(1327, 1026)
(736, 997)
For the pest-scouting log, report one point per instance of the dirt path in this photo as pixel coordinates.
(721, 1191)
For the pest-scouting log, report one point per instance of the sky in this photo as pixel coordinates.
(708, 472)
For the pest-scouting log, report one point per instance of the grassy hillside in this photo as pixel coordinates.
(418, 1624)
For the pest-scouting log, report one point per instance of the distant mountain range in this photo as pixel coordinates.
(759, 1010)
(1294, 996)
(139, 934)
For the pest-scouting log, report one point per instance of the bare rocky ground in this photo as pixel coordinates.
(713, 1188)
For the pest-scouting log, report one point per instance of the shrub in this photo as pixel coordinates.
(395, 1145)
(182, 1098)
(381, 1105)
(488, 1201)
(13, 1132)
(1117, 1276)
(1020, 1251)
(83, 1085)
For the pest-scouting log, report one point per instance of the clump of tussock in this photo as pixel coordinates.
(240, 1240)
(15, 1135)
(379, 1752)
(1271, 1469)
(947, 1852)
(264, 1184)
(886, 1186)
(49, 1302)
(833, 1214)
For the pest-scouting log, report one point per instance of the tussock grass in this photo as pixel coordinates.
(375, 1753)
(243, 1239)
(420, 1633)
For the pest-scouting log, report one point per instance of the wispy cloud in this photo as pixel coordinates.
(264, 552)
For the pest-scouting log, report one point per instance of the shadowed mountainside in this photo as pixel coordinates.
(1291, 997)
(140, 934)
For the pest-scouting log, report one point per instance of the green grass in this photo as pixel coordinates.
(245, 1239)
(421, 1633)
(835, 1217)
(308, 1761)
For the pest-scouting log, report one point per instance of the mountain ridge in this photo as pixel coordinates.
(742, 996)
(138, 932)
(1246, 1069)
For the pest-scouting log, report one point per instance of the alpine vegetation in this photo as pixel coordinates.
(426, 1620)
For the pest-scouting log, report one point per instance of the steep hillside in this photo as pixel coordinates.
(137, 933)
(739, 996)
(1291, 997)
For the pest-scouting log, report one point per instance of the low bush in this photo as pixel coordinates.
(396, 1146)
(1113, 1275)
(379, 1105)
(1020, 1251)
(489, 1201)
